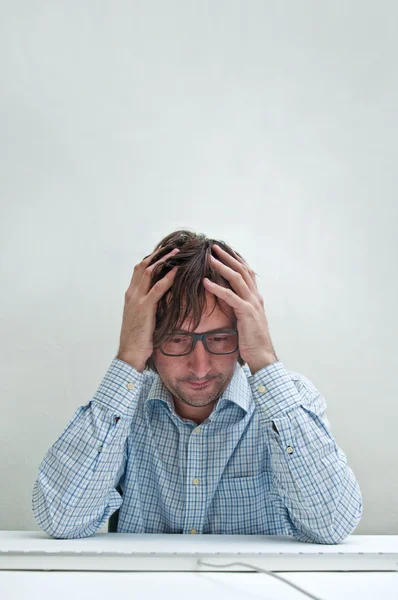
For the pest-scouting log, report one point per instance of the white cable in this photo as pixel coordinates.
(242, 564)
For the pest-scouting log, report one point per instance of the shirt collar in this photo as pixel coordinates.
(238, 391)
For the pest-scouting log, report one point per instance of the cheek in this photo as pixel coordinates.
(225, 364)
(165, 364)
(228, 360)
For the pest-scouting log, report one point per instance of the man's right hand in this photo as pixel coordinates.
(139, 314)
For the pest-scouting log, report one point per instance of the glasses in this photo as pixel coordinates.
(223, 341)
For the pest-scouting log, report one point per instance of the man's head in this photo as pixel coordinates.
(188, 306)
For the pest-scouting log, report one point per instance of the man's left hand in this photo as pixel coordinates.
(255, 344)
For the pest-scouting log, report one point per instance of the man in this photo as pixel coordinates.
(197, 422)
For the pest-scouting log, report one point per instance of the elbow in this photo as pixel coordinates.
(347, 514)
(343, 523)
(56, 521)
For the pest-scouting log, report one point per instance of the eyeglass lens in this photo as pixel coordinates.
(217, 343)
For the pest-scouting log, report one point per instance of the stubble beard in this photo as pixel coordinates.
(201, 397)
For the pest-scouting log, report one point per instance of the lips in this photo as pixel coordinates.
(199, 386)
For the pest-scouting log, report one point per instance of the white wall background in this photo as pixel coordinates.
(271, 125)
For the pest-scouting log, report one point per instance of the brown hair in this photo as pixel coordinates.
(186, 298)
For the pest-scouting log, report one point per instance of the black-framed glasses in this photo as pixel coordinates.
(221, 341)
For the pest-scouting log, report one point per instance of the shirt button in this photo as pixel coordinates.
(99, 448)
(193, 531)
(130, 386)
(261, 388)
(289, 449)
(197, 430)
(195, 481)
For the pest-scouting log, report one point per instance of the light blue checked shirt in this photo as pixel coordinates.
(232, 474)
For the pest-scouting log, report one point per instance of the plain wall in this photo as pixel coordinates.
(269, 125)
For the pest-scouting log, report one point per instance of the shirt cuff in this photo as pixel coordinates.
(274, 391)
(120, 388)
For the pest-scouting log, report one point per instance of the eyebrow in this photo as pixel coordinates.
(210, 331)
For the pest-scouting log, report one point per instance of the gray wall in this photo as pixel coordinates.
(271, 125)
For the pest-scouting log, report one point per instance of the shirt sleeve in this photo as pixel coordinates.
(319, 497)
(74, 493)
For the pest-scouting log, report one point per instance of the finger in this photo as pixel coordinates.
(225, 294)
(235, 259)
(235, 278)
(165, 257)
(157, 252)
(146, 279)
(161, 286)
(141, 267)
(240, 266)
(235, 254)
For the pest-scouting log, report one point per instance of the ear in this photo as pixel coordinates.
(240, 360)
(150, 363)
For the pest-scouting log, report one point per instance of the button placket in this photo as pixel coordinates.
(195, 501)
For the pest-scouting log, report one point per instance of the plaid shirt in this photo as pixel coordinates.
(232, 474)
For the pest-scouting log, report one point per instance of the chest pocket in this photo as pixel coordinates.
(241, 505)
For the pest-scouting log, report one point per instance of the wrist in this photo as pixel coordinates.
(132, 361)
(262, 362)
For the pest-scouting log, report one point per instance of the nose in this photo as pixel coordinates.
(199, 361)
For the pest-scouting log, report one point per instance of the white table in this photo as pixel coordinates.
(115, 565)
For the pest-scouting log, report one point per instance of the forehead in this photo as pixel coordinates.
(218, 318)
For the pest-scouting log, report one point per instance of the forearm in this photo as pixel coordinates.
(74, 493)
(311, 476)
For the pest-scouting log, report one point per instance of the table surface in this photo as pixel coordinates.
(98, 585)
(36, 585)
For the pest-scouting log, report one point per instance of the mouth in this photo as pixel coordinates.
(199, 386)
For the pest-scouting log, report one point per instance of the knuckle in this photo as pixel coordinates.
(157, 286)
(143, 263)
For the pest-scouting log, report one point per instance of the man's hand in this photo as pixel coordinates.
(139, 314)
(255, 344)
